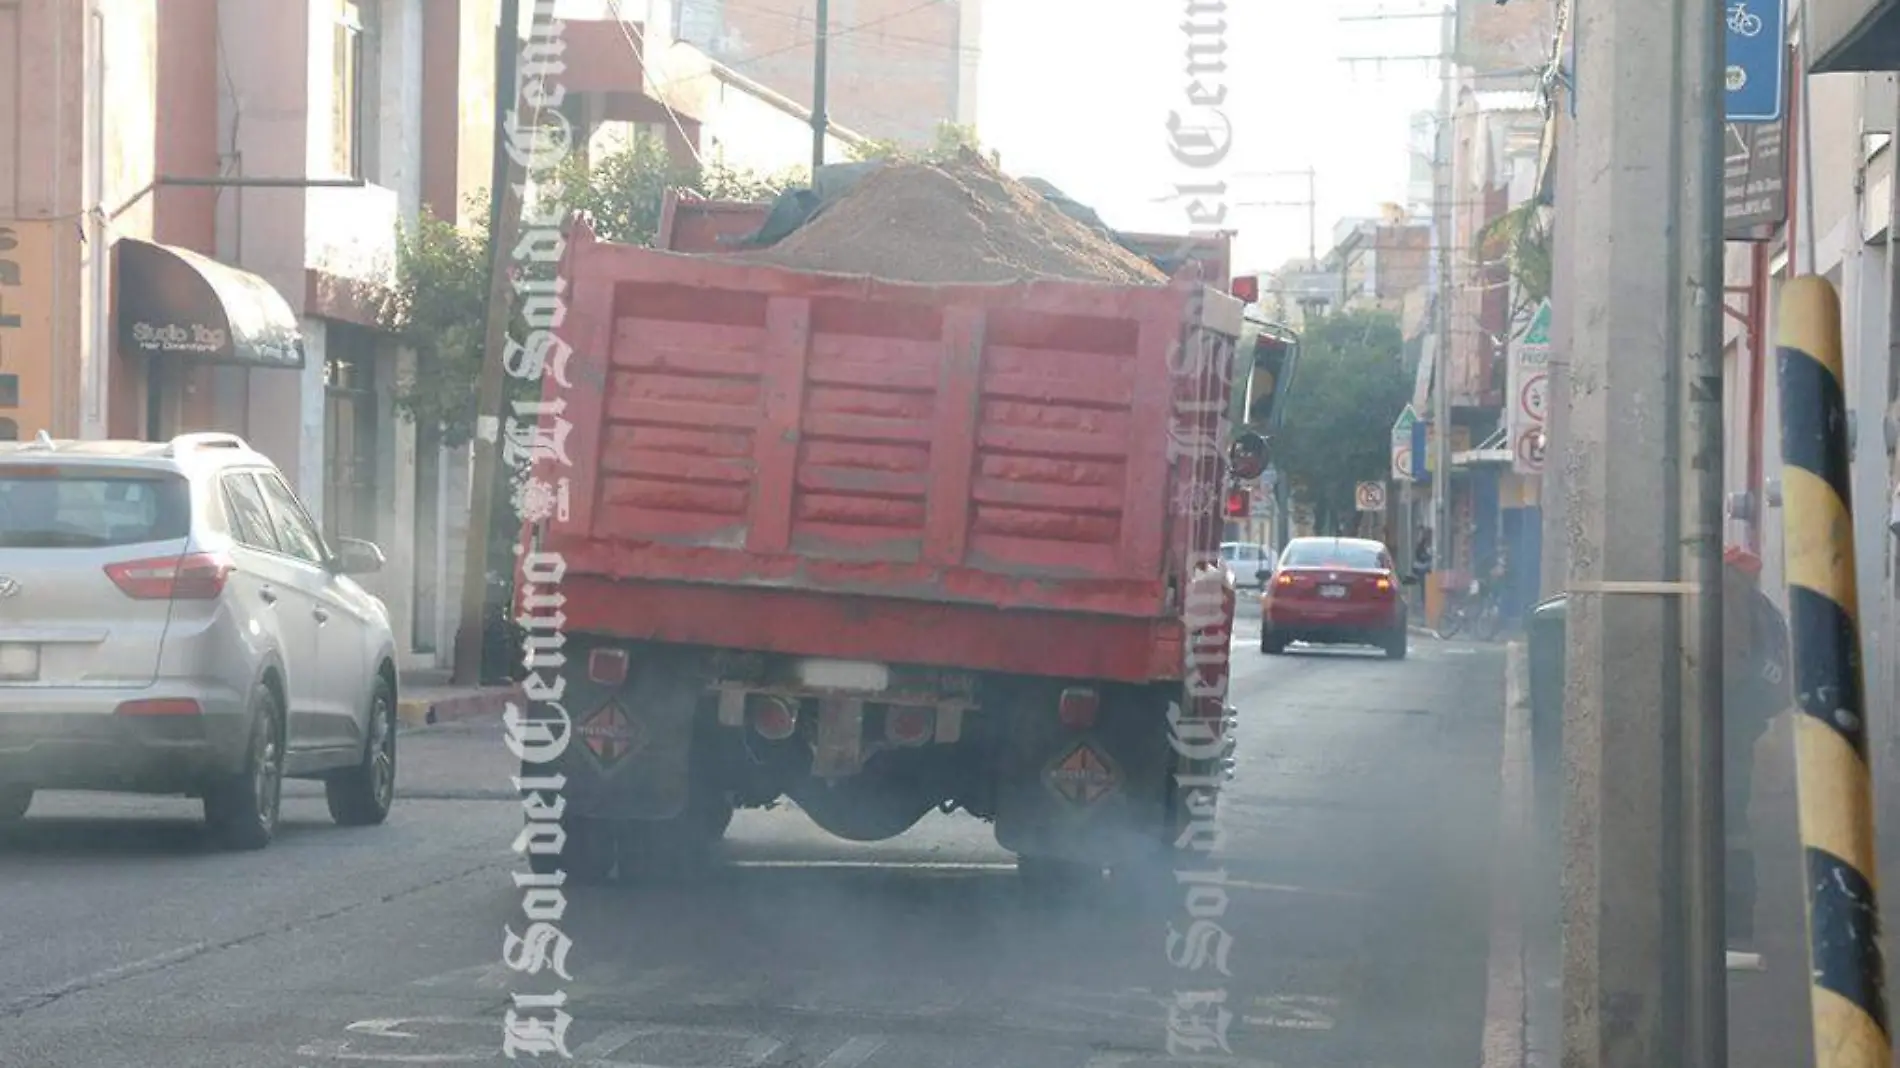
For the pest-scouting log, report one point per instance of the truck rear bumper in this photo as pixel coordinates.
(970, 637)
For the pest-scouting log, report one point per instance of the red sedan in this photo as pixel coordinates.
(1334, 591)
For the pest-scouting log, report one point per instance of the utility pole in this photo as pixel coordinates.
(820, 76)
(504, 220)
(1644, 969)
(1444, 544)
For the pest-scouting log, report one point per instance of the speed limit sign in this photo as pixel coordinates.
(1370, 496)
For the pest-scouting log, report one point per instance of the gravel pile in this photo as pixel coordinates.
(961, 221)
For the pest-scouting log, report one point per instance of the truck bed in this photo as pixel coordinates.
(776, 460)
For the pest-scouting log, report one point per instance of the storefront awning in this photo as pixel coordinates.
(176, 302)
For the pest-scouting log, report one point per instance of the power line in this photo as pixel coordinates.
(634, 49)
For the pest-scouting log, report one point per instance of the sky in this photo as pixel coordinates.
(1080, 99)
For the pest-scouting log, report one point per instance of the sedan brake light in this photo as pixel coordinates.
(191, 577)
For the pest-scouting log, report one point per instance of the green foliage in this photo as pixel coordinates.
(435, 308)
(1337, 432)
(1522, 239)
(438, 303)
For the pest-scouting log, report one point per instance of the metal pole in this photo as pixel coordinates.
(1698, 465)
(504, 219)
(1642, 904)
(1834, 772)
(1443, 545)
(1312, 214)
(819, 77)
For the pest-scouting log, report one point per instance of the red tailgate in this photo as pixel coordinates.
(758, 427)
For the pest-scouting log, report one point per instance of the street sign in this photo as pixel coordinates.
(1757, 59)
(1370, 496)
(1402, 444)
(1527, 453)
(1528, 380)
(1754, 180)
(1533, 397)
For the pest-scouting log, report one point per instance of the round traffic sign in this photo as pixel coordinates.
(1533, 398)
(1529, 449)
(1370, 496)
(1402, 461)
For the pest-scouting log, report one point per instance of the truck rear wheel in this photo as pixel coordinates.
(587, 857)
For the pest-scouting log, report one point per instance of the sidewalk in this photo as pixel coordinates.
(427, 697)
(1769, 1023)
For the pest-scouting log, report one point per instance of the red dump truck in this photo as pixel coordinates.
(884, 549)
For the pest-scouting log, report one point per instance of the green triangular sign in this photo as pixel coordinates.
(1539, 333)
(1403, 424)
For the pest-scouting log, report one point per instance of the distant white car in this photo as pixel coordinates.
(172, 622)
(1249, 564)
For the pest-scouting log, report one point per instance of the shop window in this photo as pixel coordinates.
(350, 434)
(9, 430)
(355, 88)
(9, 391)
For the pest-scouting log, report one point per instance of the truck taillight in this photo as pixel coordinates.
(192, 577)
(775, 718)
(1077, 707)
(908, 726)
(607, 667)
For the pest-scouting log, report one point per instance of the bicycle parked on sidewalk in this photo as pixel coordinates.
(1477, 611)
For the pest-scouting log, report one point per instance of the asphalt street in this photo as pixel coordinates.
(1360, 838)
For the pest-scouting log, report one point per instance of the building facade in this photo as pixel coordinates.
(897, 68)
(199, 215)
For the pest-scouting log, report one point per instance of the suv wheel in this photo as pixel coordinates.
(242, 809)
(361, 796)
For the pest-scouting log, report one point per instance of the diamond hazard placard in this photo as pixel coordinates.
(1083, 775)
(609, 734)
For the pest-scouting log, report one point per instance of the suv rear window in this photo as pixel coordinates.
(1333, 554)
(76, 510)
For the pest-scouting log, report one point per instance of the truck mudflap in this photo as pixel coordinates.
(630, 719)
(1096, 794)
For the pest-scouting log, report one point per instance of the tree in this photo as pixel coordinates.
(1352, 384)
(436, 308)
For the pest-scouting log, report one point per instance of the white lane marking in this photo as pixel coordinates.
(1294, 1012)
(867, 865)
(1285, 888)
(856, 1050)
(607, 1045)
(1126, 1060)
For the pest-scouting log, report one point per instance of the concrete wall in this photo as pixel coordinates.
(898, 78)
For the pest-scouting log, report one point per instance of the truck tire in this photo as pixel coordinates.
(587, 858)
(650, 848)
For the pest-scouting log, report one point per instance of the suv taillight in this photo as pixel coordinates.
(192, 577)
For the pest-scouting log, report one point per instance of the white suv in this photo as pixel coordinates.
(172, 622)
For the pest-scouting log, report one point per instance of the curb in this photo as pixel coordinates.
(1506, 1006)
(482, 704)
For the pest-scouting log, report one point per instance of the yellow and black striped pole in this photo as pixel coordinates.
(1835, 783)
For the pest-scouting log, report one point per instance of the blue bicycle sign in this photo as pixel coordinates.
(1756, 59)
